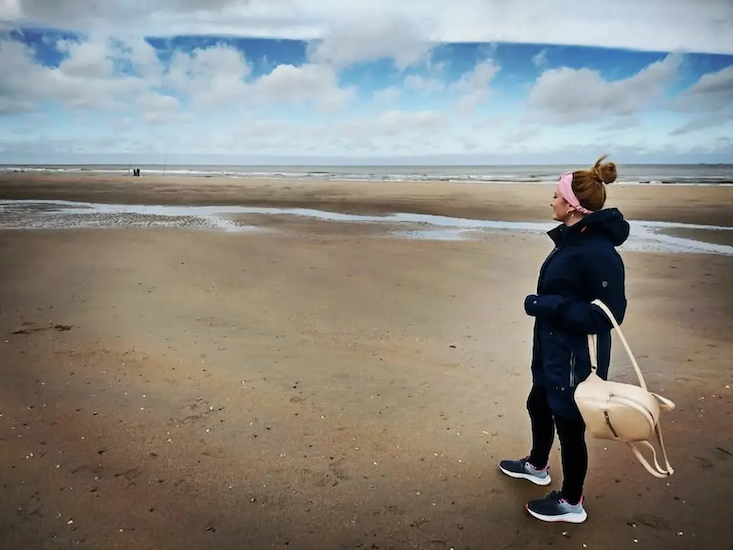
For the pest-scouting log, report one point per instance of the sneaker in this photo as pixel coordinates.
(522, 469)
(555, 508)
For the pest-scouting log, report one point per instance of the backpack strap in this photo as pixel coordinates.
(665, 403)
(608, 312)
(656, 470)
(593, 351)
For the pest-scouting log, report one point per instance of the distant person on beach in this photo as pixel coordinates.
(583, 266)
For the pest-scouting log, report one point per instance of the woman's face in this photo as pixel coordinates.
(561, 210)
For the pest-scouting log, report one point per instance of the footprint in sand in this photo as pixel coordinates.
(719, 459)
(28, 328)
(650, 520)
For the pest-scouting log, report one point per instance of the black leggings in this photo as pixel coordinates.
(572, 443)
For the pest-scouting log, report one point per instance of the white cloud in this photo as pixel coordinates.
(422, 84)
(540, 59)
(307, 83)
(85, 79)
(724, 143)
(387, 95)
(372, 36)
(570, 96)
(205, 100)
(10, 10)
(398, 122)
(85, 60)
(710, 100)
(158, 108)
(208, 78)
(523, 133)
(397, 137)
(624, 122)
(387, 132)
(363, 29)
(703, 122)
(712, 92)
(474, 85)
(418, 132)
(18, 70)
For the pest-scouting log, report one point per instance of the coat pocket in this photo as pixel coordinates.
(556, 357)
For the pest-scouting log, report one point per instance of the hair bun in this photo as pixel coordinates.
(606, 171)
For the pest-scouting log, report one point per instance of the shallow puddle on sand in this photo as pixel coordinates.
(708, 236)
(33, 214)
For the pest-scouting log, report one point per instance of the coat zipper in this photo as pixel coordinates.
(544, 267)
(572, 369)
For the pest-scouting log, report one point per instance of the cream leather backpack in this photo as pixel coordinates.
(622, 412)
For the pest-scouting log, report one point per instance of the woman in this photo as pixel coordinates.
(583, 266)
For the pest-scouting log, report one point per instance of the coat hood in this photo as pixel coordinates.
(609, 223)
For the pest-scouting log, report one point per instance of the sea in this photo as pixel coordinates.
(642, 174)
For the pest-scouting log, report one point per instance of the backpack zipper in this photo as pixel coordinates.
(610, 426)
(635, 401)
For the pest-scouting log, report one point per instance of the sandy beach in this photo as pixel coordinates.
(711, 205)
(326, 385)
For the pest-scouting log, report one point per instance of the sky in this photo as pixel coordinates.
(377, 82)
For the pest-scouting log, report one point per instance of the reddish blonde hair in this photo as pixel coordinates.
(590, 185)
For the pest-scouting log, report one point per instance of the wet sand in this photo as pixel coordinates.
(712, 205)
(327, 387)
(714, 237)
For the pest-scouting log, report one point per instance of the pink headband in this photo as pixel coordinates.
(565, 188)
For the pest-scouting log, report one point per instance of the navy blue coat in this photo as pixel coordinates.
(583, 266)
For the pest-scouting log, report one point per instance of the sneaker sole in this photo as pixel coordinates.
(565, 518)
(534, 479)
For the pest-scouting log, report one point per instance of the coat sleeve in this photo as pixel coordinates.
(605, 276)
